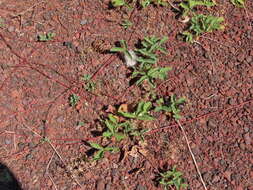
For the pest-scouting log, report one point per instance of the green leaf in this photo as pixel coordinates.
(98, 155)
(96, 146)
(145, 117)
(117, 49)
(107, 134)
(127, 114)
(119, 136)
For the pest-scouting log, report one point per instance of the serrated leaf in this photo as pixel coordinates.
(95, 145)
(98, 155)
(127, 114)
(107, 134)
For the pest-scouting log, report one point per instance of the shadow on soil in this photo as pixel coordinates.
(7, 179)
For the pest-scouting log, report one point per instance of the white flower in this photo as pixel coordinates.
(130, 61)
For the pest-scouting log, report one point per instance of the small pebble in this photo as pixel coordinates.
(7, 141)
(11, 29)
(84, 21)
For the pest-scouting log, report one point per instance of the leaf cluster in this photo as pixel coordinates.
(73, 99)
(171, 106)
(202, 23)
(141, 113)
(101, 150)
(46, 37)
(151, 74)
(189, 5)
(172, 178)
(89, 84)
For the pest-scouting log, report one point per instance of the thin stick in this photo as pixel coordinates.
(53, 182)
(192, 155)
(47, 171)
(53, 147)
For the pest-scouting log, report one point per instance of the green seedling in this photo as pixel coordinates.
(172, 106)
(201, 24)
(89, 84)
(113, 128)
(145, 3)
(46, 37)
(150, 75)
(141, 113)
(238, 3)
(73, 99)
(189, 5)
(101, 150)
(126, 24)
(147, 53)
(172, 178)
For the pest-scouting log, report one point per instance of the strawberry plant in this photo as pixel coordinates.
(101, 150)
(150, 75)
(189, 5)
(203, 23)
(113, 128)
(146, 54)
(145, 3)
(172, 178)
(141, 113)
(170, 106)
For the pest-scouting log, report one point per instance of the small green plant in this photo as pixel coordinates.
(189, 5)
(89, 84)
(147, 53)
(238, 3)
(145, 3)
(73, 99)
(141, 113)
(172, 178)
(113, 128)
(126, 24)
(101, 150)
(171, 106)
(150, 75)
(201, 24)
(46, 37)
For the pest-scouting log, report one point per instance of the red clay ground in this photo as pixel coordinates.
(216, 77)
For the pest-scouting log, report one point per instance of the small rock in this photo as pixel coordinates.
(141, 187)
(216, 179)
(100, 185)
(211, 123)
(7, 141)
(108, 186)
(29, 156)
(11, 29)
(21, 145)
(249, 59)
(247, 138)
(60, 119)
(84, 21)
